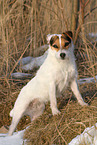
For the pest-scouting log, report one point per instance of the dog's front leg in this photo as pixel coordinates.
(53, 101)
(74, 88)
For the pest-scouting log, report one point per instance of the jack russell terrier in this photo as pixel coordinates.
(56, 73)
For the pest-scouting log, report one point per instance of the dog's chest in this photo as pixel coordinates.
(64, 77)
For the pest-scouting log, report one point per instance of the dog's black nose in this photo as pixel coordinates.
(62, 55)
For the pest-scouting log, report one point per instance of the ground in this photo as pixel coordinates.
(48, 129)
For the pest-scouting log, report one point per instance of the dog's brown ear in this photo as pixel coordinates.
(68, 34)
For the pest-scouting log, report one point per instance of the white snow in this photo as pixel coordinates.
(87, 80)
(15, 139)
(88, 137)
(93, 34)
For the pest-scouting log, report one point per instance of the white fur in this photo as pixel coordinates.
(53, 76)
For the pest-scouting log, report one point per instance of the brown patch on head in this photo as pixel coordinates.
(64, 43)
(54, 42)
(53, 39)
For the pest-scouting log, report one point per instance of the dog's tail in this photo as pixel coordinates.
(11, 113)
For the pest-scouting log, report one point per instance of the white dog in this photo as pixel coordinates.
(55, 74)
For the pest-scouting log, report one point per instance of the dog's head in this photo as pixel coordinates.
(61, 44)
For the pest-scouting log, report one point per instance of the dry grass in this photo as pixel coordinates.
(24, 25)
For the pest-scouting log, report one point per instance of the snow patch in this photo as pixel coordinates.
(88, 137)
(93, 34)
(15, 139)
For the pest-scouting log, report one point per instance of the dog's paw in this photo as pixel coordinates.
(82, 103)
(55, 111)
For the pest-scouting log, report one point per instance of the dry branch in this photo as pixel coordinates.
(20, 75)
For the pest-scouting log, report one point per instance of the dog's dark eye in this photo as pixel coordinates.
(66, 44)
(55, 46)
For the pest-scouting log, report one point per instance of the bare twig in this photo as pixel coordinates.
(20, 58)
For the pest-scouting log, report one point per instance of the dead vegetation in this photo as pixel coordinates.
(24, 25)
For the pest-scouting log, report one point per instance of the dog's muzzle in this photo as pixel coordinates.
(62, 55)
